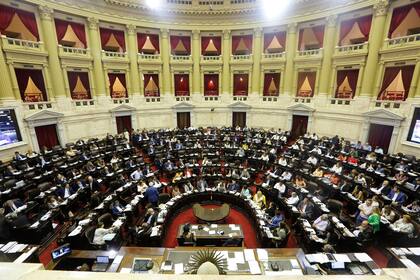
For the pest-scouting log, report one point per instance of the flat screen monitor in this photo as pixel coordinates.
(60, 252)
(414, 132)
(9, 128)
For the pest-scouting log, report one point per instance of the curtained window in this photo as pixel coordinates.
(311, 38)
(211, 84)
(271, 84)
(10, 16)
(396, 83)
(241, 44)
(47, 136)
(306, 84)
(117, 85)
(148, 43)
(355, 31)
(240, 84)
(151, 85)
(380, 136)
(399, 15)
(112, 40)
(182, 84)
(180, 45)
(346, 83)
(211, 45)
(70, 34)
(79, 85)
(31, 85)
(275, 42)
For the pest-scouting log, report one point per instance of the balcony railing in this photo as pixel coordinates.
(211, 98)
(341, 101)
(71, 50)
(38, 105)
(273, 55)
(21, 43)
(315, 52)
(402, 41)
(182, 98)
(154, 57)
(211, 58)
(180, 57)
(352, 48)
(108, 54)
(240, 98)
(78, 103)
(120, 100)
(152, 99)
(237, 57)
(270, 98)
(388, 104)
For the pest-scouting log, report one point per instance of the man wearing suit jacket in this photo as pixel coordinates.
(12, 205)
(92, 184)
(306, 208)
(396, 196)
(66, 191)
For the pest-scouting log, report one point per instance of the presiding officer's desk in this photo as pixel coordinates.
(214, 235)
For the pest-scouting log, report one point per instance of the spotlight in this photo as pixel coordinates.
(273, 8)
(153, 4)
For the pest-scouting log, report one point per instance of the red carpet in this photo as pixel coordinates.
(378, 256)
(235, 217)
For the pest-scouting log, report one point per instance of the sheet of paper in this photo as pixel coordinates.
(337, 265)
(409, 263)
(249, 255)
(239, 257)
(232, 265)
(342, 258)
(179, 268)
(194, 227)
(254, 267)
(363, 257)
(262, 254)
(295, 264)
(224, 254)
(212, 232)
(213, 226)
(415, 250)
(125, 270)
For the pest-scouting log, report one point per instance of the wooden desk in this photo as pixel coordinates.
(211, 235)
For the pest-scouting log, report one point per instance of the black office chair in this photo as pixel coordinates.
(9, 184)
(163, 198)
(44, 186)
(335, 206)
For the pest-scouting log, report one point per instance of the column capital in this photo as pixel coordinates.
(164, 32)
(45, 12)
(332, 20)
(226, 34)
(292, 27)
(196, 34)
(258, 31)
(93, 23)
(380, 8)
(131, 29)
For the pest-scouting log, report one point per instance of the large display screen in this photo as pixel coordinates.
(414, 132)
(9, 128)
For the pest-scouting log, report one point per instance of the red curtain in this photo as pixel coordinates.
(352, 76)
(123, 123)
(300, 40)
(84, 78)
(147, 79)
(79, 30)
(47, 136)
(247, 40)
(240, 84)
(399, 14)
(112, 77)
(268, 77)
(183, 120)
(27, 18)
(311, 79)
(22, 76)
(186, 40)
(319, 34)
(211, 84)
(118, 34)
(182, 84)
(141, 39)
(217, 41)
(380, 135)
(390, 74)
(364, 25)
(299, 126)
(281, 37)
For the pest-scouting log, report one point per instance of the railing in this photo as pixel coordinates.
(270, 98)
(83, 102)
(400, 41)
(388, 104)
(310, 52)
(38, 105)
(352, 48)
(273, 55)
(114, 54)
(71, 50)
(241, 56)
(211, 58)
(149, 56)
(240, 98)
(299, 99)
(120, 100)
(22, 43)
(210, 98)
(341, 101)
(152, 99)
(182, 98)
(181, 57)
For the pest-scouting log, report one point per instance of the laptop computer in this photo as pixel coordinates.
(101, 264)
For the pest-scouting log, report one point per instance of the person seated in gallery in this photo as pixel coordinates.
(271, 209)
(260, 200)
(371, 157)
(379, 150)
(413, 207)
(316, 150)
(306, 208)
(312, 160)
(396, 196)
(187, 235)
(276, 219)
(366, 210)
(286, 175)
(400, 177)
(337, 168)
(65, 191)
(282, 161)
(245, 174)
(280, 187)
(401, 166)
(280, 234)
(233, 186)
(104, 227)
(293, 200)
(388, 213)
(351, 159)
(152, 194)
(300, 182)
(175, 191)
(403, 225)
(240, 152)
(363, 232)
(70, 152)
(321, 224)
(116, 208)
(150, 217)
(31, 154)
(374, 220)
(19, 157)
(318, 172)
(246, 193)
(188, 187)
(12, 205)
(137, 174)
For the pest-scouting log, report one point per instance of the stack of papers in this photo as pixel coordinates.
(363, 257)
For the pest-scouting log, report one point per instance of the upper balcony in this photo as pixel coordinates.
(74, 53)
(315, 54)
(22, 46)
(181, 59)
(149, 58)
(273, 58)
(241, 59)
(351, 50)
(401, 43)
(211, 60)
(114, 56)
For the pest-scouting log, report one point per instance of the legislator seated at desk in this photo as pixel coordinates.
(213, 235)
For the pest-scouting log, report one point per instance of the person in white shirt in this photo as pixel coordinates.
(137, 174)
(264, 157)
(282, 161)
(293, 199)
(312, 160)
(337, 168)
(104, 229)
(281, 187)
(295, 146)
(317, 150)
(365, 211)
(379, 150)
(403, 225)
(245, 174)
(321, 223)
(286, 175)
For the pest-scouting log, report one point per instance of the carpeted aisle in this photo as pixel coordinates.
(235, 217)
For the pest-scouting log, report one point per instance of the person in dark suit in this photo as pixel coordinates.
(234, 187)
(306, 208)
(152, 195)
(396, 196)
(150, 217)
(92, 184)
(12, 205)
(19, 157)
(66, 191)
